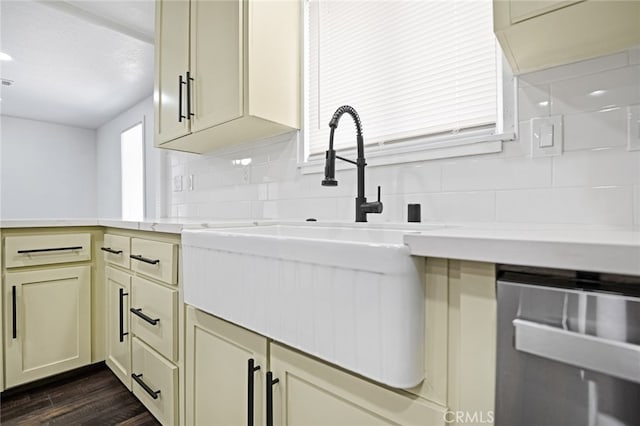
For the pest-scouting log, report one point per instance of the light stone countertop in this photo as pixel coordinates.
(552, 246)
(575, 248)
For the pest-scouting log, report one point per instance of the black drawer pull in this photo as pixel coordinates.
(180, 83)
(270, 382)
(148, 319)
(110, 250)
(251, 370)
(14, 314)
(49, 249)
(122, 294)
(138, 378)
(145, 259)
(189, 80)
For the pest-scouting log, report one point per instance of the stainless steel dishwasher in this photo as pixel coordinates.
(568, 349)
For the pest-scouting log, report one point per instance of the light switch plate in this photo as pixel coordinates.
(546, 136)
(633, 128)
(177, 183)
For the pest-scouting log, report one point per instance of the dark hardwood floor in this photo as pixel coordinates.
(94, 397)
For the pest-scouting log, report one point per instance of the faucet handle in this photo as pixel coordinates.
(372, 207)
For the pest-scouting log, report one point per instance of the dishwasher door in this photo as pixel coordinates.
(567, 357)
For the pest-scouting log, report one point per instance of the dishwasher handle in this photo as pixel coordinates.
(611, 357)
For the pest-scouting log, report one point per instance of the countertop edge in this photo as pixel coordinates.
(604, 256)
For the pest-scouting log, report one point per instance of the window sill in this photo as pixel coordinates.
(446, 147)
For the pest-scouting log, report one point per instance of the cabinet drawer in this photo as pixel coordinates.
(30, 250)
(155, 382)
(116, 250)
(154, 313)
(155, 259)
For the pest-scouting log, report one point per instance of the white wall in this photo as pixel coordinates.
(47, 170)
(596, 181)
(108, 165)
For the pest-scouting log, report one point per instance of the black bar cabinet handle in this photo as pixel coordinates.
(49, 249)
(189, 80)
(14, 316)
(145, 259)
(180, 83)
(145, 317)
(110, 250)
(138, 378)
(252, 368)
(122, 295)
(270, 382)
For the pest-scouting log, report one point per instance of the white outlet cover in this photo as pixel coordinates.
(177, 183)
(633, 128)
(546, 136)
(190, 183)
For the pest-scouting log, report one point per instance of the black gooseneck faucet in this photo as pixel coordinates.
(362, 206)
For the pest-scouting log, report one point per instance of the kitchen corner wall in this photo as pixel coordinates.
(108, 169)
(46, 170)
(596, 180)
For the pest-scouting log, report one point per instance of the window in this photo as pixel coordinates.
(132, 165)
(417, 72)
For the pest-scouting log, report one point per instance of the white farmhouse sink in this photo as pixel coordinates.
(352, 296)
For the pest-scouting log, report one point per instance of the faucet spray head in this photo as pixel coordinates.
(330, 169)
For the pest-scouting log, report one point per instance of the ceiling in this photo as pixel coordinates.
(78, 63)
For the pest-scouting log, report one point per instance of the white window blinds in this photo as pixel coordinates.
(409, 67)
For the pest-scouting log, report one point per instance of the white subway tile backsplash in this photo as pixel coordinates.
(410, 178)
(613, 88)
(612, 206)
(521, 147)
(225, 210)
(596, 181)
(607, 166)
(595, 130)
(459, 207)
(533, 101)
(496, 173)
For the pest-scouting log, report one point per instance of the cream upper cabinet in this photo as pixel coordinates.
(47, 322)
(171, 66)
(225, 372)
(118, 287)
(227, 71)
(540, 34)
(216, 62)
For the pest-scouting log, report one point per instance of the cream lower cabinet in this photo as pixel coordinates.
(226, 368)
(144, 319)
(155, 382)
(118, 289)
(459, 384)
(309, 392)
(47, 322)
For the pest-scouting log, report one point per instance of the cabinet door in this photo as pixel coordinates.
(310, 392)
(118, 336)
(216, 62)
(218, 372)
(47, 322)
(172, 62)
